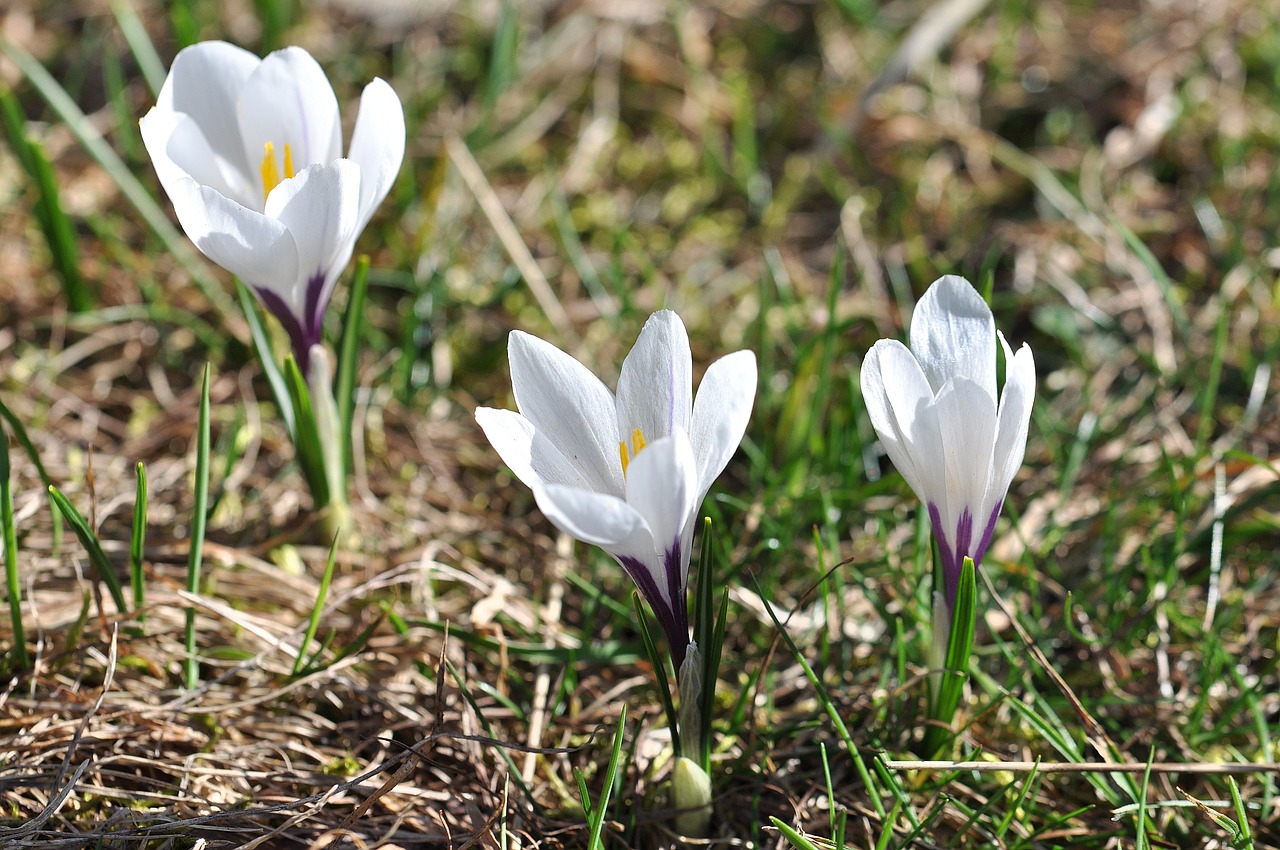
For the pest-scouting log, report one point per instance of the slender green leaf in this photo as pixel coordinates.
(130, 186)
(266, 359)
(140, 44)
(137, 541)
(89, 540)
(9, 529)
(659, 664)
(199, 517)
(59, 234)
(306, 440)
(314, 622)
(600, 810)
(956, 669)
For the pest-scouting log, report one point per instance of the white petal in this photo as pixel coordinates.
(178, 149)
(377, 144)
(204, 82)
(597, 518)
(569, 405)
(258, 249)
(662, 487)
(1014, 418)
(721, 412)
(511, 435)
(528, 452)
(900, 404)
(288, 101)
(967, 418)
(655, 387)
(320, 207)
(954, 335)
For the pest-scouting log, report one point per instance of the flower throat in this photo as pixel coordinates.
(271, 175)
(637, 444)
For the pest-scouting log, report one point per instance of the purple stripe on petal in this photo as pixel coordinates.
(279, 309)
(673, 564)
(952, 559)
(677, 636)
(314, 310)
(987, 534)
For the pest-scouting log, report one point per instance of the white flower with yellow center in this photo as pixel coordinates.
(627, 473)
(249, 151)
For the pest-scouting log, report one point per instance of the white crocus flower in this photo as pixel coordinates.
(627, 473)
(935, 409)
(249, 151)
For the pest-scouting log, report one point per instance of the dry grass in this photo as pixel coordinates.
(709, 157)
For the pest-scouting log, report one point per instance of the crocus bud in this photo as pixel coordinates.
(941, 637)
(690, 717)
(691, 793)
(325, 409)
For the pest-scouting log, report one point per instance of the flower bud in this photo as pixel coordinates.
(691, 793)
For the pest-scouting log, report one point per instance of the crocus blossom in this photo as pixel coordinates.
(626, 472)
(249, 151)
(936, 409)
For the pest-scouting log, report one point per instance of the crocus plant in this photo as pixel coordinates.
(955, 438)
(250, 153)
(628, 472)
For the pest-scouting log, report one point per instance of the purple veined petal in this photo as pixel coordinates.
(287, 100)
(655, 386)
(953, 335)
(672, 612)
(204, 82)
(662, 487)
(967, 421)
(320, 207)
(901, 407)
(377, 144)
(955, 541)
(299, 338)
(571, 407)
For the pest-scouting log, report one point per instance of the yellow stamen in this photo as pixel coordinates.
(271, 175)
(637, 443)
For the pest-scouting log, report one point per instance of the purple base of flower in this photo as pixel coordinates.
(306, 330)
(954, 547)
(673, 618)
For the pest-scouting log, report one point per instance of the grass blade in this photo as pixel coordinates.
(137, 542)
(659, 671)
(89, 540)
(199, 517)
(130, 186)
(599, 810)
(314, 622)
(266, 359)
(58, 233)
(20, 660)
(140, 44)
(306, 441)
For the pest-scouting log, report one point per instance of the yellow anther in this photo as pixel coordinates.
(271, 175)
(637, 443)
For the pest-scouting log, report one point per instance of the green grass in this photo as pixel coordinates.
(712, 160)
